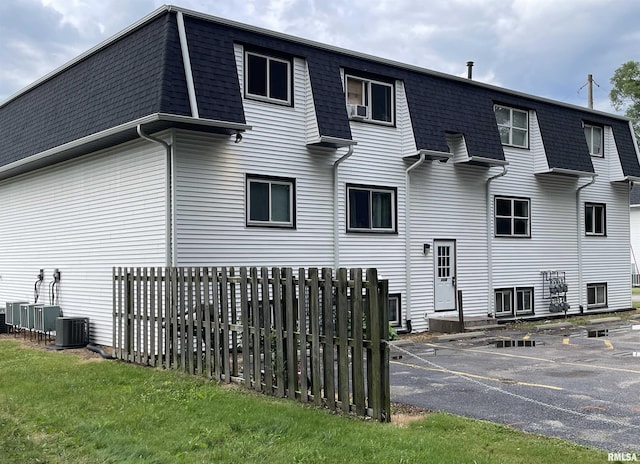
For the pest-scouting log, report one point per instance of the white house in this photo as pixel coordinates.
(190, 140)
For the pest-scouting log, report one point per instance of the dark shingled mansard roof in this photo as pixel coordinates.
(141, 73)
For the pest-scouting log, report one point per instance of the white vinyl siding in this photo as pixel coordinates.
(83, 217)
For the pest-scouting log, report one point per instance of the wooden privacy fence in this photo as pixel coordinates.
(315, 336)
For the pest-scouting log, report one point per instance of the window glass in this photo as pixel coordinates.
(354, 91)
(259, 201)
(257, 75)
(599, 220)
(359, 209)
(381, 102)
(519, 138)
(503, 207)
(279, 80)
(521, 208)
(597, 141)
(519, 119)
(503, 115)
(280, 202)
(381, 210)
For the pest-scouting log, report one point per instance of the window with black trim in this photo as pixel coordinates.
(504, 301)
(597, 295)
(371, 209)
(512, 217)
(267, 78)
(513, 125)
(595, 219)
(394, 309)
(524, 300)
(270, 201)
(593, 135)
(369, 100)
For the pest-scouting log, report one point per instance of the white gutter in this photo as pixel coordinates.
(336, 216)
(490, 301)
(407, 227)
(169, 216)
(579, 229)
(186, 61)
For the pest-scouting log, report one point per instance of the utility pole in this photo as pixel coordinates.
(589, 86)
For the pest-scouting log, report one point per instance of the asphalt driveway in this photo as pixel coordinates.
(574, 382)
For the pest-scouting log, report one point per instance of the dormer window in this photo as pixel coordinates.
(369, 100)
(594, 139)
(513, 125)
(267, 78)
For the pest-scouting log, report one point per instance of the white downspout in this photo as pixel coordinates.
(490, 302)
(169, 219)
(579, 228)
(186, 61)
(407, 231)
(336, 216)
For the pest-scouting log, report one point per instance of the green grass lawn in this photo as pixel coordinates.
(57, 407)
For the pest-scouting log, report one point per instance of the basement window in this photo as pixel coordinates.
(504, 302)
(597, 295)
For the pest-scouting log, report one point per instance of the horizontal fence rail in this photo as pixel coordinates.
(315, 335)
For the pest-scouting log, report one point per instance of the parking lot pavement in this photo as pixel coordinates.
(580, 383)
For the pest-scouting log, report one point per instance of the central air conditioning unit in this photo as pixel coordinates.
(44, 317)
(27, 316)
(357, 111)
(72, 332)
(13, 312)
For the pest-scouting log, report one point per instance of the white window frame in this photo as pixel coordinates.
(589, 130)
(371, 190)
(367, 101)
(512, 217)
(597, 209)
(270, 181)
(510, 127)
(502, 295)
(524, 291)
(266, 97)
(599, 293)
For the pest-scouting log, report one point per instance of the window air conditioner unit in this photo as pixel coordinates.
(13, 312)
(72, 332)
(357, 111)
(44, 318)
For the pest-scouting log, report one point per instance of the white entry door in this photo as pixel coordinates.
(445, 274)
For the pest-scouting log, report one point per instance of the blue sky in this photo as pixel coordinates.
(541, 47)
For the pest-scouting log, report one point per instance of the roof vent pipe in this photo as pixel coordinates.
(469, 69)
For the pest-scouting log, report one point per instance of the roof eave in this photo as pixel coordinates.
(75, 147)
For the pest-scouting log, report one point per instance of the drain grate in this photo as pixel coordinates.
(514, 343)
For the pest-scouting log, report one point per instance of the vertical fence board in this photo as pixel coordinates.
(266, 329)
(174, 317)
(145, 316)
(383, 288)
(224, 316)
(234, 320)
(254, 331)
(342, 317)
(373, 357)
(358, 351)
(199, 306)
(244, 316)
(314, 318)
(327, 350)
(218, 347)
(302, 329)
(290, 324)
(278, 304)
(206, 314)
